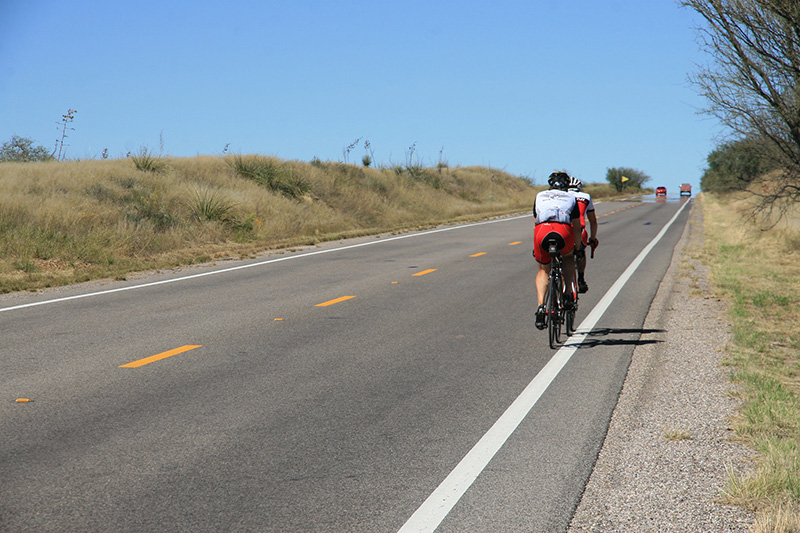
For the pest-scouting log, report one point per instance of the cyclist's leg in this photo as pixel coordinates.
(569, 264)
(571, 305)
(580, 263)
(542, 277)
(541, 281)
(569, 276)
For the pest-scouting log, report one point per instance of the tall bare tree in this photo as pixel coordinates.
(753, 83)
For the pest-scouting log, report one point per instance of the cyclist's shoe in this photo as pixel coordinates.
(541, 317)
(582, 286)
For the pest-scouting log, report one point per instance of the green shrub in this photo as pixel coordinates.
(148, 206)
(21, 149)
(209, 205)
(148, 162)
(271, 174)
(732, 166)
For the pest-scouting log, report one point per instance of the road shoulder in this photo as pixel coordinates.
(664, 461)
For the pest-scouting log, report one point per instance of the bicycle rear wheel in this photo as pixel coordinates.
(569, 322)
(554, 311)
(569, 319)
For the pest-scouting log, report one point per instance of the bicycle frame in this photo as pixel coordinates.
(554, 301)
(554, 297)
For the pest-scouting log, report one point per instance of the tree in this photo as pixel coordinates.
(732, 166)
(753, 84)
(626, 178)
(22, 149)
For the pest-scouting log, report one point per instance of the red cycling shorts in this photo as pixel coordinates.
(541, 231)
(584, 238)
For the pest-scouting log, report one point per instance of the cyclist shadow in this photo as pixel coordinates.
(611, 337)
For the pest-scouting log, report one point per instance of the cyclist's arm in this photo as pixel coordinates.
(577, 231)
(582, 206)
(592, 224)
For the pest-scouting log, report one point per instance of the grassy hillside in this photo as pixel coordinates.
(65, 222)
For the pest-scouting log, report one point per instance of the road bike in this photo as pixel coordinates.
(555, 313)
(558, 314)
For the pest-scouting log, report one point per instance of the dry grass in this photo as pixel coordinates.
(757, 268)
(784, 519)
(677, 434)
(66, 222)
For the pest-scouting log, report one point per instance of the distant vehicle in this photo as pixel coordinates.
(686, 189)
(662, 191)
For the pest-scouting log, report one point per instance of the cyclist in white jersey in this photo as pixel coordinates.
(586, 206)
(555, 212)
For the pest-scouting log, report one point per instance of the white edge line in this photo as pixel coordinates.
(252, 265)
(442, 500)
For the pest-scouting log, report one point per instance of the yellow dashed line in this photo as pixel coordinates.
(160, 356)
(335, 301)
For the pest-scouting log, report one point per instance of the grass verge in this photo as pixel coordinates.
(758, 271)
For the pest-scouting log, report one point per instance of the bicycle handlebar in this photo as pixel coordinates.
(594, 243)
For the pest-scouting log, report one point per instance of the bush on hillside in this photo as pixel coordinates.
(271, 174)
(732, 166)
(626, 178)
(21, 149)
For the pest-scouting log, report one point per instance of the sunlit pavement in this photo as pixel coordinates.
(672, 199)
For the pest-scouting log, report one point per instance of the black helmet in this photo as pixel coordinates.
(575, 183)
(559, 180)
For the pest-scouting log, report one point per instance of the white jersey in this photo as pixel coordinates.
(555, 206)
(585, 198)
(585, 204)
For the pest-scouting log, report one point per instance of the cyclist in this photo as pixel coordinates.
(555, 211)
(587, 212)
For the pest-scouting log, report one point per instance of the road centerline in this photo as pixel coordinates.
(160, 356)
(335, 301)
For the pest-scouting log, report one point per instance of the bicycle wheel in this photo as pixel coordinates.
(559, 308)
(569, 319)
(569, 316)
(569, 322)
(554, 310)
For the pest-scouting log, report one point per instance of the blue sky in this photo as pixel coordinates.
(524, 86)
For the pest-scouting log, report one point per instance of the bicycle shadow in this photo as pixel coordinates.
(611, 337)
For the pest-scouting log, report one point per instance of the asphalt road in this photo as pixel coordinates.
(283, 415)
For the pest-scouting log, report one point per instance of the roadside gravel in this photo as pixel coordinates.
(663, 464)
